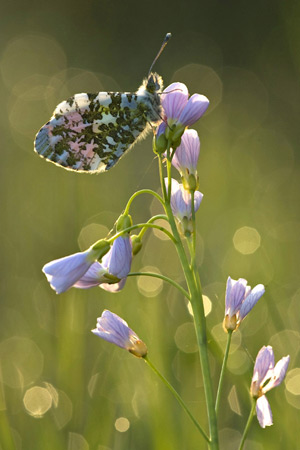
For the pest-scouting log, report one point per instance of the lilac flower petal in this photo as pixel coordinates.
(173, 99)
(263, 412)
(251, 300)
(64, 272)
(279, 372)
(112, 328)
(264, 363)
(161, 129)
(187, 154)
(198, 196)
(194, 109)
(93, 277)
(121, 256)
(237, 294)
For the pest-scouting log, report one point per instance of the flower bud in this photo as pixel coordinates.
(100, 248)
(136, 244)
(123, 222)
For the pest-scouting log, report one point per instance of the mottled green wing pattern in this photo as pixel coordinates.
(91, 132)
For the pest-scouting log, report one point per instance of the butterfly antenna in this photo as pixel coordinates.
(165, 41)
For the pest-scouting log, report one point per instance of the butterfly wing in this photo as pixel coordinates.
(91, 132)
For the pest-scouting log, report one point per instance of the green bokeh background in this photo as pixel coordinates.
(245, 56)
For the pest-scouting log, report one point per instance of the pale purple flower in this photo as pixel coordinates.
(239, 300)
(187, 153)
(64, 272)
(111, 273)
(181, 200)
(112, 328)
(266, 376)
(179, 108)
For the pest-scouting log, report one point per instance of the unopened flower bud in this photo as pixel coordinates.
(100, 248)
(123, 222)
(136, 244)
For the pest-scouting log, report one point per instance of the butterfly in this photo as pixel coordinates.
(89, 133)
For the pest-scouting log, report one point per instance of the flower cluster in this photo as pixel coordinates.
(83, 270)
(266, 376)
(239, 300)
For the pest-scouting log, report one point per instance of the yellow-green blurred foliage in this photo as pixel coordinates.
(61, 387)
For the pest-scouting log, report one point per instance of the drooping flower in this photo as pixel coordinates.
(239, 300)
(181, 204)
(64, 272)
(266, 376)
(112, 328)
(186, 157)
(111, 273)
(180, 110)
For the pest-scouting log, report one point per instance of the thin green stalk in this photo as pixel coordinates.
(142, 191)
(141, 225)
(178, 398)
(199, 319)
(153, 219)
(223, 371)
(162, 277)
(248, 424)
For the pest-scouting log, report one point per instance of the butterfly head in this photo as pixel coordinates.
(154, 83)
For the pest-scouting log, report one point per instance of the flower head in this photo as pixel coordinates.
(180, 110)
(239, 300)
(186, 157)
(266, 376)
(181, 204)
(111, 273)
(64, 272)
(115, 330)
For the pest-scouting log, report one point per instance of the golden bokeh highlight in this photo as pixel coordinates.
(149, 286)
(246, 240)
(185, 338)
(37, 401)
(122, 424)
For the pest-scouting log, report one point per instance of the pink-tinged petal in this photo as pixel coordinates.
(64, 272)
(194, 109)
(251, 299)
(263, 412)
(278, 375)
(93, 277)
(115, 287)
(115, 330)
(187, 154)
(173, 99)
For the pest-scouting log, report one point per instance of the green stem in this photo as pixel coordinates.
(177, 396)
(194, 285)
(141, 225)
(248, 424)
(142, 191)
(162, 277)
(223, 371)
(153, 219)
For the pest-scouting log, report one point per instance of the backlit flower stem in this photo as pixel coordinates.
(198, 312)
(153, 219)
(142, 191)
(248, 424)
(223, 370)
(177, 396)
(162, 277)
(141, 225)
